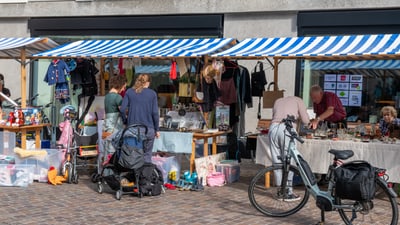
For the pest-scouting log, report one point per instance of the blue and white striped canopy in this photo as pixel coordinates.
(319, 46)
(140, 48)
(363, 64)
(11, 47)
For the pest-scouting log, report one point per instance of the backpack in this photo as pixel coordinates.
(150, 180)
(356, 181)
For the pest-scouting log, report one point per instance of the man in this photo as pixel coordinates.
(327, 107)
(293, 106)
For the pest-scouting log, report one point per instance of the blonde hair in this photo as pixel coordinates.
(141, 82)
(389, 109)
(210, 71)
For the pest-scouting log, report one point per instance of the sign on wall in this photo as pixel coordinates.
(347, 87)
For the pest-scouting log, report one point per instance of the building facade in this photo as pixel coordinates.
(64, 20)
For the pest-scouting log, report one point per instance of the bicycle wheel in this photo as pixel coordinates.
(381, 210)
(264, 193)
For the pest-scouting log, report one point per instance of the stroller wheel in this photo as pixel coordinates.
(118, 195)
(76, 178)
(100, 188)
(69, 173)
(94, 177)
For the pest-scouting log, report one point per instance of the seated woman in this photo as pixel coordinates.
(389, 124)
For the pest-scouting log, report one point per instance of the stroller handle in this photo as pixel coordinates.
(135, 126)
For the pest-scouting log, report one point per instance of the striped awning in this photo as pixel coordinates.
(351, 46)
(363, 64)
(11, 47)
(140, 48)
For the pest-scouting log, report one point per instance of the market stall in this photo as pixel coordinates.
(22, 50)
(380, 51)
(172, 49)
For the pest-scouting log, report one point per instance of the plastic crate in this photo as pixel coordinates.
(231, 170)
(7, 143)
(41, 164)
(16, 175)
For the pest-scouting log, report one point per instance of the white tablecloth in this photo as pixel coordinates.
(316, 153)
(178, 142)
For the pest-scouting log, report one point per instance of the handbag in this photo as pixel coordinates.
(269, 97)
(258, 80)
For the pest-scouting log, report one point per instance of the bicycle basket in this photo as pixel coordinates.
(356, 181)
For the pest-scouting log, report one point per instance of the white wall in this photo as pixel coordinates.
(247, 25)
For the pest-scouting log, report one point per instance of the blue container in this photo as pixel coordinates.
(45, 144)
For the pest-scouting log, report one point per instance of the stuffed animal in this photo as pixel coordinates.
(53, 177)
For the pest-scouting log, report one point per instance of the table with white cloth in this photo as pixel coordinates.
(315, 152)
(185, 142)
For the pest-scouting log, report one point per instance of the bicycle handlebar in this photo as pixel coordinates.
(289, 127)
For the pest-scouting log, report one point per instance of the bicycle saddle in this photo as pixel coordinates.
(341, 154)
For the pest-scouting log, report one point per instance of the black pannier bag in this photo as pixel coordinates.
(356, 181)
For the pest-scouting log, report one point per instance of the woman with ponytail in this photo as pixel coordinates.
(140, 106)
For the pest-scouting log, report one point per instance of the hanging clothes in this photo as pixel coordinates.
(57, 72)
(62, 92)
(172, 72)
(211, 94)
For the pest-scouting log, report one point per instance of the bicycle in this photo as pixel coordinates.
(269, 198)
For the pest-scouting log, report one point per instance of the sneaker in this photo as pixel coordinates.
(291, 198)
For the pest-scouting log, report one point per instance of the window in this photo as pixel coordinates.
(363, 86)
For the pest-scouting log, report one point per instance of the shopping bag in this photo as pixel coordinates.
(258, 80)
(269, 97)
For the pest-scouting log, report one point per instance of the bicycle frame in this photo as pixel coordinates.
(323, 198)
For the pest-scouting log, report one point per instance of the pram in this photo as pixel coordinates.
(81, 150)
(123, 170)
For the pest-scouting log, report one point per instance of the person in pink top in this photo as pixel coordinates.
(293, 106)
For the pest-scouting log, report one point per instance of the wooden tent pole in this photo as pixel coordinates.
(276, 63)
(23, 78)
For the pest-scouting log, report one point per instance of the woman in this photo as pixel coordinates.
(140, 106)
(112, 102)
(389, 122)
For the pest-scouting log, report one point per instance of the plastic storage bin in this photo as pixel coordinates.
(230, 168)
(7, 143)
(169, 166)
(16, 175)
(41, 164)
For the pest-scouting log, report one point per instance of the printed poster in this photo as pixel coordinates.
(343, 78)
(355, 86)
(342, 86)
(330, 85)
(330, 78)
(355, 98)
(356, 78)
(342, 93)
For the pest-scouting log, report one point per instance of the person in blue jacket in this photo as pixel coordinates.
(140, 106)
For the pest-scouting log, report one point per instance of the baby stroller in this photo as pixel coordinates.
(79, 148)
(123, 171)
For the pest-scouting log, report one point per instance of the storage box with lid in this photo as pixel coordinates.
(42, 163)
(16, 175)
(230, 168)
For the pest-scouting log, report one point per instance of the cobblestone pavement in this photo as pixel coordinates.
(42, 203)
